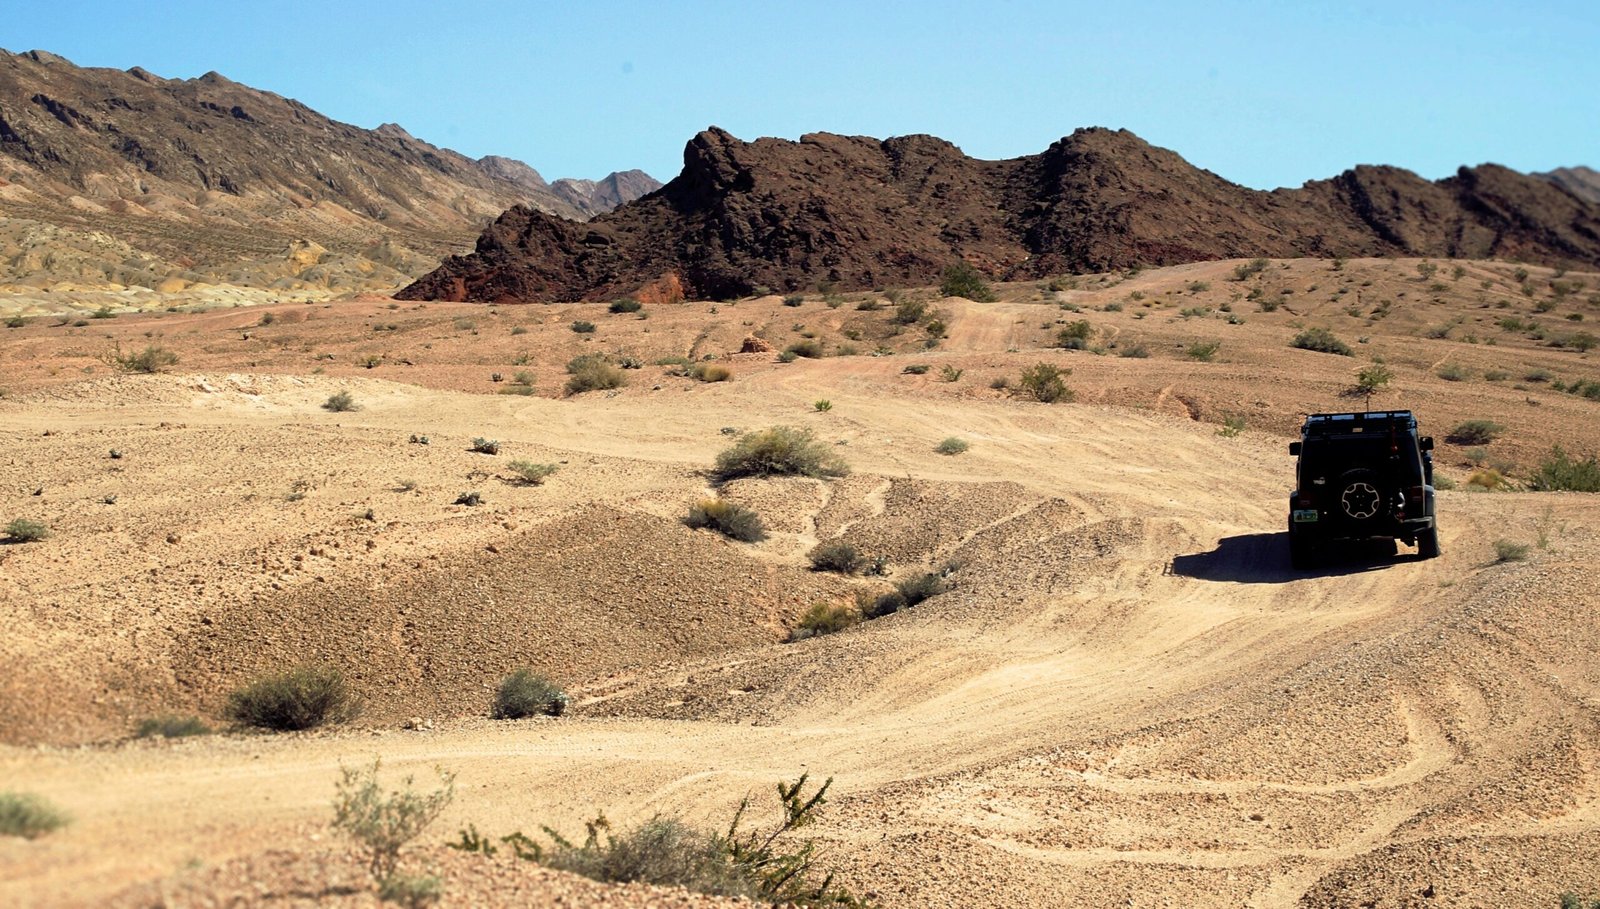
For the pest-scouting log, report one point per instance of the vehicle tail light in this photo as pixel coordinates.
(1303, 502)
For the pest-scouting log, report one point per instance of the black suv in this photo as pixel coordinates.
(1362, 476)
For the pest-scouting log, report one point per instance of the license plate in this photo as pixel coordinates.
(1305, 515)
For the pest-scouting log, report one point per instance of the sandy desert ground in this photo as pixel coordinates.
(1126, 698)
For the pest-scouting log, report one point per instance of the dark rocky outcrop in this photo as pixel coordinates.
(1583, 182)
(857, 212)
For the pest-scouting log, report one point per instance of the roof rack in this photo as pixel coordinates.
(1334, 423)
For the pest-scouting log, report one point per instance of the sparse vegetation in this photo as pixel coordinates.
(778, 451)
(593, 372)
(1321, 340)
(526, 693)
(1203, 351)
(822, 405)
(710, 372)
(963, 280)
(579, 326)
(915, 369)
(171, 727)
(953, 445)
(1474, 432)
(733, 521)
(626, 304)
(382, 823)
(825, 618)
(1075, 335)
(1510, 551)
(28, 816)
(149, 361)
(837, 556)
(1046, 383)
(810, 348)
(485, 446)
(25, 530)
(1562, 472)
(302, 698)
(1255, 267)
(532, 473)
(906, 594)
(1452, 372)
(1232, 425)
(340, 402)
(948, 373)
(1371, 379)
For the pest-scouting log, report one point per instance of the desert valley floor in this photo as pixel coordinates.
(1125, 698)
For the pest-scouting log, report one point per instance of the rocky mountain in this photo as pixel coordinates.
(1580, 181)
(206, 173)
(858, 212)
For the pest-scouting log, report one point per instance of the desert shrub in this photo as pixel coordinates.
(382, 823)
(710, 372)
(1371, 378)
(1045, 383)
(778, 451)
(762, 864)
(1570, 900)
(948, 373)
(963, 280)
(341, 402)
(822, 405)
(171, 726)
(1474, 432)
(626, 304)
(302, 698)
(581, 327)
(1538, 375)
(532, 473)
(1487, 479)
(1231, 426)
(837, 556)
(525, 693)
(953, 445)
(906, 594)
(916, 369)
(1203, 351)
(16, 322)
(1075, 335)
(872, 305)
(1510, 551)
(28, 816)
(485, 446)
(522, 377)
(469, 499)
(1321, 340)
(1452, 372)
(793, 300)
(825, 618)
(733, 521)
(787, 356)
(810, 348)
(592, 372)
(1134, 351)
(151, 360)
(910, 312)
(1562, 472)
(24, 530)
(1256, 267)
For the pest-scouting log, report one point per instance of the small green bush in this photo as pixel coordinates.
(1134, 351)
(525, 693)
(1321, 340)
(151, 360)
(16, 322)
(626, 304)
(485, 446)
(1562, 472)
(23, 530)
(948, 373)
(961, 279)
(1510, 551)
(171, 726)
(1075, 335)
(592, 372)
(953, 445)
(910, 312)
(383, 823)
(837, 556)
(822, 405)
(1371, 378)
(906, 594)
(1203, 351)
(532, 473)
(340, 402)
(733, 521)
(810, 348)
(825, 618)
(1046, 383)
(916, 369)
(28, 816)
(778, 451)
(301, 698)
(583, 328)
(1452, 372)
(793, 300)
(1475, 432)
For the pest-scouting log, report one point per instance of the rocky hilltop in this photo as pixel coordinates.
(858, 212)
(201, 175)
(1581, 181)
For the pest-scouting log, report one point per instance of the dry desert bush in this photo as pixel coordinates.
(526, 693)
(28, 816)
(301, 698)
(733, 521)
(778, 451)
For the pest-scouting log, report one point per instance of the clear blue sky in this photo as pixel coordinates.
(1263, 93)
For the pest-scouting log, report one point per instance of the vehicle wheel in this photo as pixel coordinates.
(1428, 544)
(1362, 496)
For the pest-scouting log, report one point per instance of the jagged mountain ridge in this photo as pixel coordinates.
(210, 172)
(858, 212)
(1580, 181)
